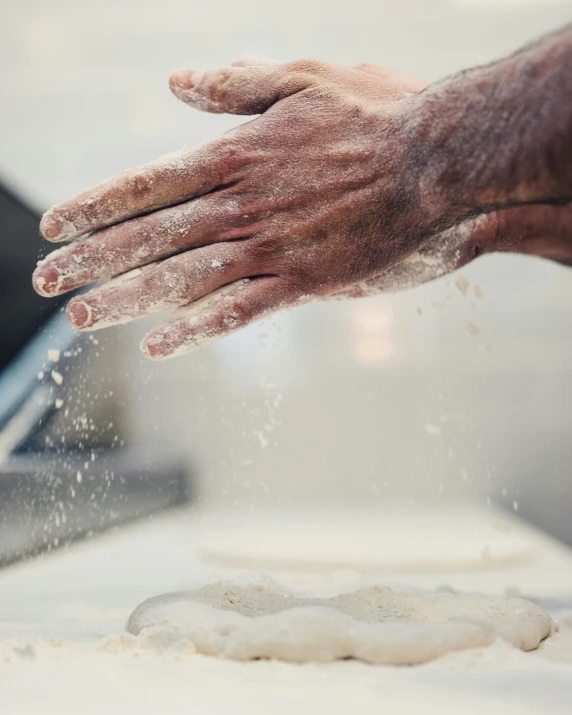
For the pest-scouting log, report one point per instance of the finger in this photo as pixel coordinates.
(170, 180)
(160, 286)
(218, 314)
(413, 84)
(134, 243)
(243, 90)
(252, 62)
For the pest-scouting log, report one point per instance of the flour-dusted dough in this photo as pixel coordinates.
(378, 624)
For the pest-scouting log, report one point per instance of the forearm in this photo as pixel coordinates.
(496, 136)
(543, 231)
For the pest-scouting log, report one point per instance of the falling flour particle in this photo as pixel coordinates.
(53, 355)
(433, 429)
(78, 477)
(472, 329)
(263, 439)
(57, 377)
(462, 284)
(501, 526)
(59, 402)
(41, 375)
(378, 624)
(478, 291)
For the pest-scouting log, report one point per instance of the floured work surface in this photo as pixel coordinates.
(63, 618)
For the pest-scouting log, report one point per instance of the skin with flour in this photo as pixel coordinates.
(350, 181)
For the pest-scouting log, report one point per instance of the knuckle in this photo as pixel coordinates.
(368, 67)
(215, 86)
(241, 310)
(233, 156)
(171, 279)
(306, 65)
(140, 184)
(262, 249)
(253, 207)
(233, 162)
(227, 260)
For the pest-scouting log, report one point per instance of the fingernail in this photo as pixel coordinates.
(153, 347)
(45, 280)
(184, 79)
(79, 314)
(50, 227)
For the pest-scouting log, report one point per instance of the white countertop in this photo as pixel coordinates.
(62, 616)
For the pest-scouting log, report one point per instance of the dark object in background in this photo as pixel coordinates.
(22, 311)
(47, 502)
(43, 504)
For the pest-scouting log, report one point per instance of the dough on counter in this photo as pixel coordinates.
(378, 625)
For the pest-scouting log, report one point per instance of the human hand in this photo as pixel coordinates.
(280, 211)
(295, 205)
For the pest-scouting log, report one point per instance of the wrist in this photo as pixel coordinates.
(497, 136)
(539, 230)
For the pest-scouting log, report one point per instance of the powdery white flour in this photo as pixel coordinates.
(378, 625)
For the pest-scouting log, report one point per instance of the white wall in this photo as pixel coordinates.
(331, 400)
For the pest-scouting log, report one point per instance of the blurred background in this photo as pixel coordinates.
(453, 390)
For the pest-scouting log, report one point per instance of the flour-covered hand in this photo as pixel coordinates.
(305, 200)
(348, 176)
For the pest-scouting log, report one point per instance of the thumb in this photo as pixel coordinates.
(242, 90)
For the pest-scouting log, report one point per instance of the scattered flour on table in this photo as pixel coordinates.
(158, 671)
(378, 625)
